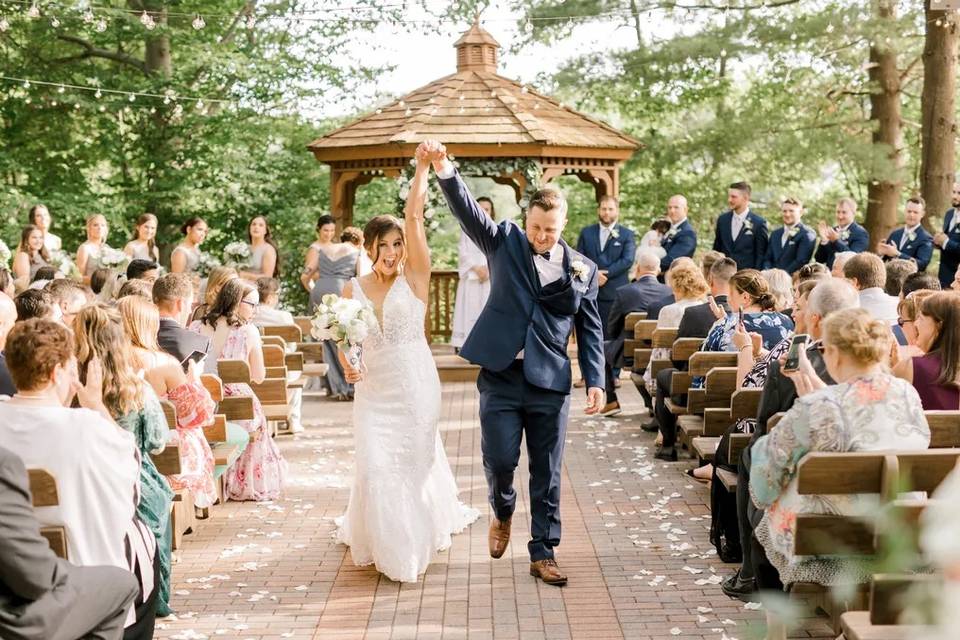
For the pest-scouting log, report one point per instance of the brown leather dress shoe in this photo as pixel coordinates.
(548, 571)
(498, 537)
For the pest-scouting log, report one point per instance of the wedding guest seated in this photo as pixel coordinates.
(173, 295)
(99, 278)
(70, 295)
(813, 270)
(140, 269)
(135, 407)
(260, 471)
(630, 298)
(689, 288)
(781, 288)
(868, 274)
(37, 303)
(215, 281)
(897, 271)
(779, 395)
(839, 261)
(907, 312)
(45, 274)
(268, 313)
(6, 283)
(936, 373)
(8, 317)
(695, 323)
(867, 409)
(140, 288)
(707, 261)
(41, 595)
(95, 462)
(192, 402)
(919, 281)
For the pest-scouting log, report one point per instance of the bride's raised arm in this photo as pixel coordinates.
(417, 267)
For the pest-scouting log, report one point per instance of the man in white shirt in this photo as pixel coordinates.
(867, 273)
(911, 241)
(267, 313)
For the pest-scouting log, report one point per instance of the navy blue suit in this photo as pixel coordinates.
(855, 238)
(796, 253)
(615, 258)
(750, 247)
(950, 252)
(529, 396)
(636, 296)
(919, 249)
(681, 244)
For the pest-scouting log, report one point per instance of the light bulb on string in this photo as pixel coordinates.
(100, 26)
(251, 21)
(4, 25)
(528, 27)
(198, 22)
(132, 97)
(88, 17)
(33, 12)
(147, 21)
(26, 84)
(61, 89)
(98, 94)
(200, 105)
(54, 22)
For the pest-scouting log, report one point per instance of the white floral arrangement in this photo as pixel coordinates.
(62, 262)
(5, 254)
(237, 255)
(580, 270)
(111, 258)
(207, 263)
(345, 321)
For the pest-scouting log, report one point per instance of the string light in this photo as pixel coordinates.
(33, 12)
(4, 25)
(198, 22)
(147, 21)
(98, 92)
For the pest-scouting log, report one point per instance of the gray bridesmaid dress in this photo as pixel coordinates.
(332, 275)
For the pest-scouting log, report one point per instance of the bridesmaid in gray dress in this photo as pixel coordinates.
(329, 265)
(264, 257)
(186, 255)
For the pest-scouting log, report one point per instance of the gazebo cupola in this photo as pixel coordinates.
(479, 115)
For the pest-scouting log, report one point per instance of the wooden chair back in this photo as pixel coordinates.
(744, 403)
(274, 341)
(944, 428)
(631, 321)
(702, 362)
(684, 348)
(273, 356)
(213, 385)
(721, 383)
(643, 330)
(43, 492)
(216, 432)
(890, 594)
(305, 324)
(167, 461)
(288, 332)
(663, 338)
(233, 371)
(170, 413)
(294, 361)
(236, 408)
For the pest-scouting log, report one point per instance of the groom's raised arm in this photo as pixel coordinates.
(474, 220)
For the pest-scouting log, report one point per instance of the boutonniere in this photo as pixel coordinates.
(672, 233)
(845, 235)
(614, 233)
(580, 270)
(794, 231)
(748, 224)
(911, 236)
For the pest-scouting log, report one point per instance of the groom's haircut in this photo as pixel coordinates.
(548, 199)
(741, 186)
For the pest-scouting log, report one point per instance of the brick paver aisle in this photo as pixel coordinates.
(635, 545)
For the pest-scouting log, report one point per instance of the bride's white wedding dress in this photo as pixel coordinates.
(403, 501)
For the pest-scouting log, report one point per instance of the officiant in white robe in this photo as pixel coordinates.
(474, 285)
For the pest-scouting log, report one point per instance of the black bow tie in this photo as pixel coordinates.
(545, 255)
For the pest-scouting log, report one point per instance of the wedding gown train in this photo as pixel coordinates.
(403, 501)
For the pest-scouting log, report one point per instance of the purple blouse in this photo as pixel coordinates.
(933, 396)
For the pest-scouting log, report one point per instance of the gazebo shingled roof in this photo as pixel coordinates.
(476, 114)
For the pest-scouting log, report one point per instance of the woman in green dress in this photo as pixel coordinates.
(136, 408)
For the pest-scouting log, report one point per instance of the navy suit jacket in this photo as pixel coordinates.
(950, 252)
(855, 239)
(679, 245)
(919, 249)
(636, 296)
(750, 247)
(520, 313)
(796, 253)
(616, 258)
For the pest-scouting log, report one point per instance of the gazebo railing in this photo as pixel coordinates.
(443, 294)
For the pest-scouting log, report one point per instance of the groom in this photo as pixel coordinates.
(541, 290)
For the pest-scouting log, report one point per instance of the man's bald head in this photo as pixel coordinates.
(677, 209)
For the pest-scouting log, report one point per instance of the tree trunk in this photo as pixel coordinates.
(884, 182)
(939, 127)
(159, 64)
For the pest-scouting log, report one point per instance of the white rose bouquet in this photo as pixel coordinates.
(5, 254)
(236, 255)
(111, 258)
(60, 261)
(206, 264)
(345, 321)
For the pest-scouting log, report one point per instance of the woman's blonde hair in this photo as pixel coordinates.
(219, 276)
(858, 334)
(98, 334)
(687, 281)
(781, 287)
(141, 321)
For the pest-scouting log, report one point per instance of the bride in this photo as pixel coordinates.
(403, 501)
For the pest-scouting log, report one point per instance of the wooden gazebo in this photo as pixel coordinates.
(478, 115)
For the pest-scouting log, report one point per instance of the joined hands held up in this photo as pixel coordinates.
(431, 151)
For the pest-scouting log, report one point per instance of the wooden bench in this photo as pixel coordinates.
(314, 366)
(272, 392)
(167, 462)
(43, 493)
(889, 594)
(662, 339)
(640, 345)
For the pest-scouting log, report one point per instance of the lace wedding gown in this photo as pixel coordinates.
(403, 501)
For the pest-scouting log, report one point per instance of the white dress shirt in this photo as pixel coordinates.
(737, 222)
(786, 234)
(906, 232)
(552, 270)
(605, 235)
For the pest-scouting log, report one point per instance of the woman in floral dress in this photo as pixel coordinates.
(260, 471)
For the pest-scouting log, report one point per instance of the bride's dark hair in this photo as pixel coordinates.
(378, 227)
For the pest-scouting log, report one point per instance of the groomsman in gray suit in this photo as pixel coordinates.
(43, 597)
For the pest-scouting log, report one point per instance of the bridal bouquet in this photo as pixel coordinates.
(206, 263)
(5, 254)
(111, 258)
(236, 255)
(60, 261)
(345, 321)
